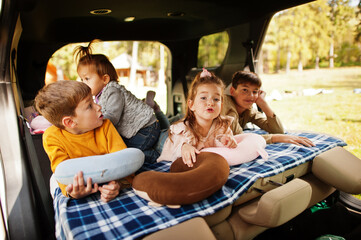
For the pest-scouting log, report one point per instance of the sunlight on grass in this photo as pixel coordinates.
(336, 111)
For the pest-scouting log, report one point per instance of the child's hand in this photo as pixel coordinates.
(110, 191)
(78, 189)
(292, 139)
(261, 98)
(227, 141)
(189, 154)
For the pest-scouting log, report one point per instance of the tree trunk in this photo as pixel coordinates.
(133, 67)
(317, 62)
(161, 72)
(278, 61)
(331, 55)
(265, 62)
(288, 63)
(300, 65)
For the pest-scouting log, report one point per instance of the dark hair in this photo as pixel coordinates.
(99, 61)
(241, 77)
(59, 99)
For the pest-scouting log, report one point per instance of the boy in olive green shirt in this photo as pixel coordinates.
(245, 91)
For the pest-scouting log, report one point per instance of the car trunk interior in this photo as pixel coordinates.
(39, 27)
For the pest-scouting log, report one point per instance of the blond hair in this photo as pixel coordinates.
(190, 118)
(60, 99)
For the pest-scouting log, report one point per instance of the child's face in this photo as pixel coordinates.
(90, 77)
(207, 103)
(245, 95)
(88, 116)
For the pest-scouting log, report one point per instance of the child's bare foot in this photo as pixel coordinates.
(150, 98)
(156, 107)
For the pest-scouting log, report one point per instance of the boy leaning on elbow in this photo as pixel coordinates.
(244, 92)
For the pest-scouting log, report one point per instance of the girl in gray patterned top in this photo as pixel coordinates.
(134, 120)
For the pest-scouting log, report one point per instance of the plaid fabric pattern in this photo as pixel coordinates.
(129, 216)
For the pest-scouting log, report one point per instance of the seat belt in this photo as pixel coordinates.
(250, 60)
(250, 56)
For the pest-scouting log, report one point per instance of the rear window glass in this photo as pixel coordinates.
(212, 49)
(150, 61)
(312, 79)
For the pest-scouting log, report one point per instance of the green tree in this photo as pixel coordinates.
(348, 54)
(340, 15)
(358, 27)
(303, 35)
(63, 59)
(280, 40)
(212, 49)
(299, 34)
(319, 39)
(148, 54)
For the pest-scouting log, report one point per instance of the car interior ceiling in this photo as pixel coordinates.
(47, 26)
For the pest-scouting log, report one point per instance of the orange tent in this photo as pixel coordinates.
(52, 75)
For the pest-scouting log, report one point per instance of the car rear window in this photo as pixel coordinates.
(151, 61)
(212, 49)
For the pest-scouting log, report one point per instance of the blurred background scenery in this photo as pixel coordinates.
(310, 65)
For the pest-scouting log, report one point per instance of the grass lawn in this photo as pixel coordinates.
(336, 111)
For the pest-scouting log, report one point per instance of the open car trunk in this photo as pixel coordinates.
(31, 31)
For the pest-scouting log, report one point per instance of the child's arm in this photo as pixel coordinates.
(271, 123)
(78, 189)
(292, 139)
(113, 105)
(110, 191)
(189, 154)
(261, 102)
(227, 139)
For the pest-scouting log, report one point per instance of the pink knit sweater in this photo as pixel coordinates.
(180, 134)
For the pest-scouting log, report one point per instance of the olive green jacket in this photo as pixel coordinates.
(269, 124)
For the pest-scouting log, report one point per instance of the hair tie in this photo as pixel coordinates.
(205, 73)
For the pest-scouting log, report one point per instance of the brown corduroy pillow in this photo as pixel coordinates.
(183, 184)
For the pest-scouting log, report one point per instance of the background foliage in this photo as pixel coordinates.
(324, 33)
(148, 54)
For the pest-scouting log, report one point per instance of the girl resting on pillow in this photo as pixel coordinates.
(202, 126)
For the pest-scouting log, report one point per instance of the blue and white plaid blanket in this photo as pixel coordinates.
(129, 216)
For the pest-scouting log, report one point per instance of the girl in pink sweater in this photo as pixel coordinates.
(202, 126)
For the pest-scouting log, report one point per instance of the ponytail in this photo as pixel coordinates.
(82, 52)
(102, 64)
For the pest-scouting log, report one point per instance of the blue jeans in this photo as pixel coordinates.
(144, 140)
(163, 120)
(160, 143)
(164, 133)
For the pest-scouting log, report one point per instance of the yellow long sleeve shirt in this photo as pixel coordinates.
(61, 145)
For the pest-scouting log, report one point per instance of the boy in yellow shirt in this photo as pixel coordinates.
(78, 130)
